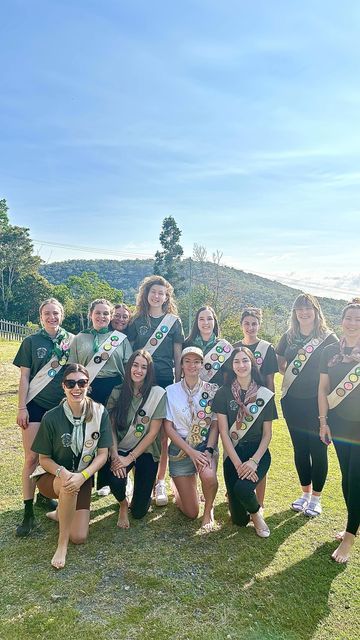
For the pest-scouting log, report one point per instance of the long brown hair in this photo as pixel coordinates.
(195, 331)
(320, 326)
(255, 371)
(89, 402)
(142, 304)
(119, 414)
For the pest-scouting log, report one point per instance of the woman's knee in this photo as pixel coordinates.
(31, 459)
(79, 537)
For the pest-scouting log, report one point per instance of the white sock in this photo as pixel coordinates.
(315, 499)
(306, 496)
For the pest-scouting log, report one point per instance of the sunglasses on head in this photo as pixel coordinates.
(71, 384)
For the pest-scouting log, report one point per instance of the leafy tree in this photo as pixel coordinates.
(167, 262)
(31, 290)
(16, 259)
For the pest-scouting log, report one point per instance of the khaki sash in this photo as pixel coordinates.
(215, 358)
(160, 333)
(100, 358)
(302, 358)
(345, 387)
(260, 352)
(239, 429)
(92, 435)
(199, 430)
(45, 375)
(140, 424)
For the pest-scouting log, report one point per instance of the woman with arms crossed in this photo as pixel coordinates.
(339, 409)
(41, 358)
(193, 431)
(245, 410)
(299, 352)
(157, 328)
(136, 419)
(73, 442)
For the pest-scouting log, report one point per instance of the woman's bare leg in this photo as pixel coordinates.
(30, 461)
(209, 486)
(186, 495)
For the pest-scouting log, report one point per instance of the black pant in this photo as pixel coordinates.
(144, 478)
(348, 454)
(310, 456)
(241, 493)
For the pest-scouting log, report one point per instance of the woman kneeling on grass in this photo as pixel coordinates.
(136, 418)
(73, 441)
(245, 410)
(194, 434)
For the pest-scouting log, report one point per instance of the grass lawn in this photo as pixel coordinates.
(164, 578)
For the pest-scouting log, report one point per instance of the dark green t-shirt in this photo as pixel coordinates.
(349, 407)
(54, 437)
(139, 333)
(225, 403)
(306, 383)
(34, 352)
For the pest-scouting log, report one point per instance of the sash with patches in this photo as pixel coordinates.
(296, 367)
(239, 429)
(48, 372)
(345, 387)
(160, 333)
(100, 358)
(92, 435)
(215, 359)
(199, 430)
(140, 424)
(260, 352)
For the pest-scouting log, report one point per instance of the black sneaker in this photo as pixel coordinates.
(25, 527)
(45, 503)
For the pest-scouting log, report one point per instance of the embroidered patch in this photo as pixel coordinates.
(41, 352)
(66, 439)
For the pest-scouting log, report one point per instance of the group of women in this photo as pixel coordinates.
(127, 364)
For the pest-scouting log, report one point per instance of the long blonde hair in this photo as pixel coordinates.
(142, 304)
(320, 327)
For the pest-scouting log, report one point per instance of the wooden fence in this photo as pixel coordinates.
(14, 330)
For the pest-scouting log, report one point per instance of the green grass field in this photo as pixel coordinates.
(166, 579)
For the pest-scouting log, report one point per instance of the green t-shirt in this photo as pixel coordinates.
(34, 352)
(224, 403)
(82, 352)
(54, 437)
(139, 332)
(159, 414)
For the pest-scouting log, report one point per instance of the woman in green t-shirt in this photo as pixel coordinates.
(73, 442)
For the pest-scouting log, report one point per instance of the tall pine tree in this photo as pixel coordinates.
(167, 261)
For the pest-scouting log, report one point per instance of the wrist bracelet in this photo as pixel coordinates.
(253, 460)
(85, 474)
(131, 456)
(322, 417)
(58, 471)
(210, 450)
(21, 408)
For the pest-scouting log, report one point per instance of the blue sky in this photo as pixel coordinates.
(240, 120)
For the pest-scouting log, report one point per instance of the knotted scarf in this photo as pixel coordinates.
(96, 334)
(250, 396)
(77, 438)
(354, 356)
(61, 344)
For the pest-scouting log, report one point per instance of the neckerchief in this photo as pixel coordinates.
(77, 438)
(96, 334)
(190, 393)
(60, 342)
(199, 342)
(354, 356)
(250, 396)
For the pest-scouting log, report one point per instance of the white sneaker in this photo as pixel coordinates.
(161, 498)
(104, 491)
(129, 489)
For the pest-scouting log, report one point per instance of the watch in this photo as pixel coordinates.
(210, 450)
(58, 471)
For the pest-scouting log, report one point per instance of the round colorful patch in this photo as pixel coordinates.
(254, 408)
(221, 358)
(234, 435)
(295, 371)
(309, 348)
(249, 418)
(113, 344)
(51, 373)
(259, 361)
(97, 359)
(89, 443)
(141, 412)
(145, 419)
(207, 409)
(202, 423)
(257, 354)
(357, 371)
(159, 335)
(107, 346)
(114, 338)
(348, 386)
(54, 364)
(207, 366)
(104, 356)
(87, 458)
(153, 342)
(62, 361)
(201, 415)
(316, 341)
(95, 435)
(205, 395)
(164, 328)
(340, 392)
(214, 356)
(302, 357)
(243, 426)
(260, 402)
(219, 349)
(139, 428)
(227, 348)
(301, 352)
(297, 364)
(204, 432)
(203, 402)
(353, 377)
(208, 420)
(216, 366)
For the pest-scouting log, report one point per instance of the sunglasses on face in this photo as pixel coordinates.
(71, 384)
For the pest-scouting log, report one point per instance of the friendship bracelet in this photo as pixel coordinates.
(253, 460)
(85, 474)
(322, 417)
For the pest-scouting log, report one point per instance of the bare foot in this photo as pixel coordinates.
(342, 553)
(53, 515)
(260, 526)
(208, 521)
(123, 519)
(59, 557)
(340, 535)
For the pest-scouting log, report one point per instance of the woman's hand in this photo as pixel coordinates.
(74, 482)
(325, 434)
(199, 459)
(118, 469)
(248, 471)
(22, 418)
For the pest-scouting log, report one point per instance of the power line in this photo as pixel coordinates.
(84, 249)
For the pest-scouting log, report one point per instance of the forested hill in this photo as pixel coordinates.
(228, 289)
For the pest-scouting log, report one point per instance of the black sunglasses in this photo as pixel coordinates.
(71, 384)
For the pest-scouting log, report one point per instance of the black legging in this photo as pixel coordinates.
(241, 493)
(144, 478)
(348, 454)
(310, 456)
